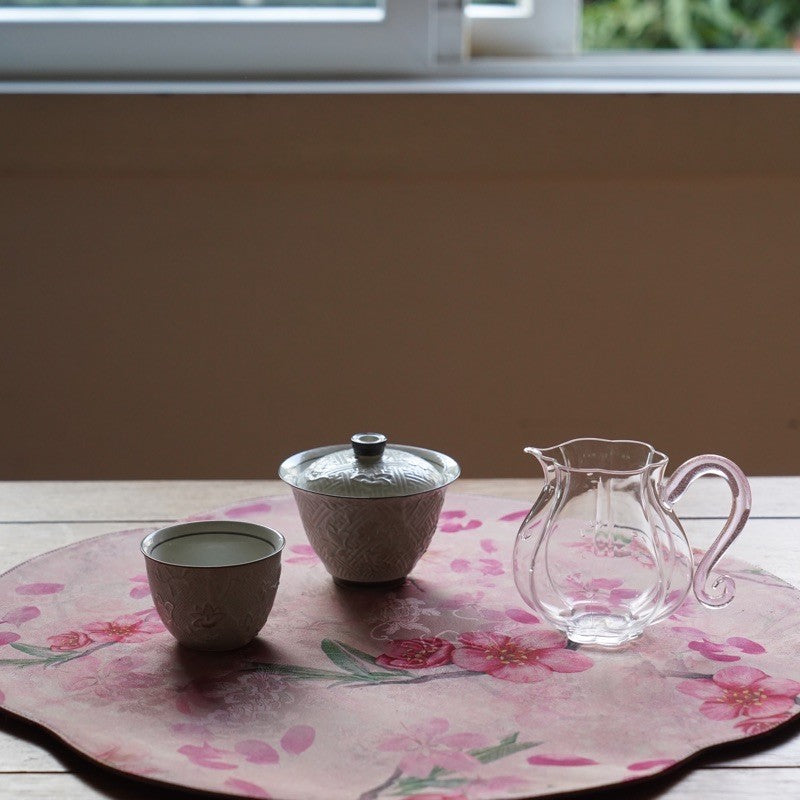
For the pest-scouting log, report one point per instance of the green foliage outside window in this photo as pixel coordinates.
(690, 24)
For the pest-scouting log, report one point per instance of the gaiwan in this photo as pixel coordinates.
(369, 508)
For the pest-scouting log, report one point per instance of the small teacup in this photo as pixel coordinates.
(213, 582)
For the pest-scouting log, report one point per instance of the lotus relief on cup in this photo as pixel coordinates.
(214, 581)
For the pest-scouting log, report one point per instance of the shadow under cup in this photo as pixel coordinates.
(213, 582)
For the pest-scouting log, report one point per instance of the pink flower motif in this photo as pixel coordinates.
(449, 524)
(742, 691)
(416, 653)
(560, 761)
(515, 516)
(18, 616)
(687, 608)
(6, 637)
(128, 628)
(40, 588)
(488, 546)
(298, 739)
(654, 763)
(435, 796)
(246, 788)
(518, 615)
(305, 554)
(428, 745)
(206, 756)
(72, 640)
(753, 726)
(257, 752)
(529, 658)
(114, 681)
(248, 510)
(483, 566)
(720, 651)
(604, 594)
(142, 590)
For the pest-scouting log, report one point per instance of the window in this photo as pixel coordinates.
(251, 40)
(275, 38)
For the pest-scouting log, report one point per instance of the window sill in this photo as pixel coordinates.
(593, 73)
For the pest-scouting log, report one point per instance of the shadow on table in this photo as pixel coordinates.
(107, 782)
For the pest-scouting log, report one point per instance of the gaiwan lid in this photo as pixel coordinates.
(369, 468)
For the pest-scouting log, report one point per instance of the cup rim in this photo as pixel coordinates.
(275, 538)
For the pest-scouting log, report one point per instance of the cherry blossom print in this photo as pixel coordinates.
(450, 522)
(19, 616)
(755, 725)
(728, 650)
(428, 745)
(246, 788)
(401, 613)
(128, 759)
(687, 609)
(655, 763)
(606, 544)
(298, 739)
(142, 588)
(303, 554)
(40, 588)
(207, 756)
(523, 617)
(118, 680)
(560, 761)
(71, 640)
(249, 510)
(528, 658)
(416, 653)
(742, 692)
(436, 796)
(480, 566)
(234, 699)
(600, 594)
(6, 637)
(515, 516)
(128, 628)
(257, 751)
(489, 546)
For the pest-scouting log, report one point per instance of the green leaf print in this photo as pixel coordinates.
(339, 655)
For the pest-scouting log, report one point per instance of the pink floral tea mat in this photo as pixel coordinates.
(446, 688)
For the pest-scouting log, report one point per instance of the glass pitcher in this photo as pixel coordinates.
(601, 554)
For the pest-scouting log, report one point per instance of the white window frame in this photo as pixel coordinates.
(407, 45)
(401, 38)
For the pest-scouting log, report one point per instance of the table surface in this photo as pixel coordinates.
(40, 516)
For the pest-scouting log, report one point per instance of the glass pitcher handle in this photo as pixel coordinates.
(678, 483)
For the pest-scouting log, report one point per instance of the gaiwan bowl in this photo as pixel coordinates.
(369, 511)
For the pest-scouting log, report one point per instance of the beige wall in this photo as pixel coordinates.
(200, 286)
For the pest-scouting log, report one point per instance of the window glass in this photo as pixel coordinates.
(690, 24)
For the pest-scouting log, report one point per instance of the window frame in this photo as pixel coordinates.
(401, 38)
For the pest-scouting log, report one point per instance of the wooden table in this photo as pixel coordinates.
(36, 517)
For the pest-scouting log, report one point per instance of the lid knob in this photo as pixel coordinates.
(368, 445)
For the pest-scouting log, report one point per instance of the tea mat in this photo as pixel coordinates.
(446, 688)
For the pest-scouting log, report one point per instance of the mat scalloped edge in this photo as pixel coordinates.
(446, 689)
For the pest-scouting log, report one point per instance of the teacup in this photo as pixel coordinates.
(213, 582)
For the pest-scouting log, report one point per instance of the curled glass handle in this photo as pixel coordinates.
(678, 483)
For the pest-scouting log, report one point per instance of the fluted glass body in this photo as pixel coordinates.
(601, 554)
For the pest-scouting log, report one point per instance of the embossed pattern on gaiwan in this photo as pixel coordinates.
(374, 540)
